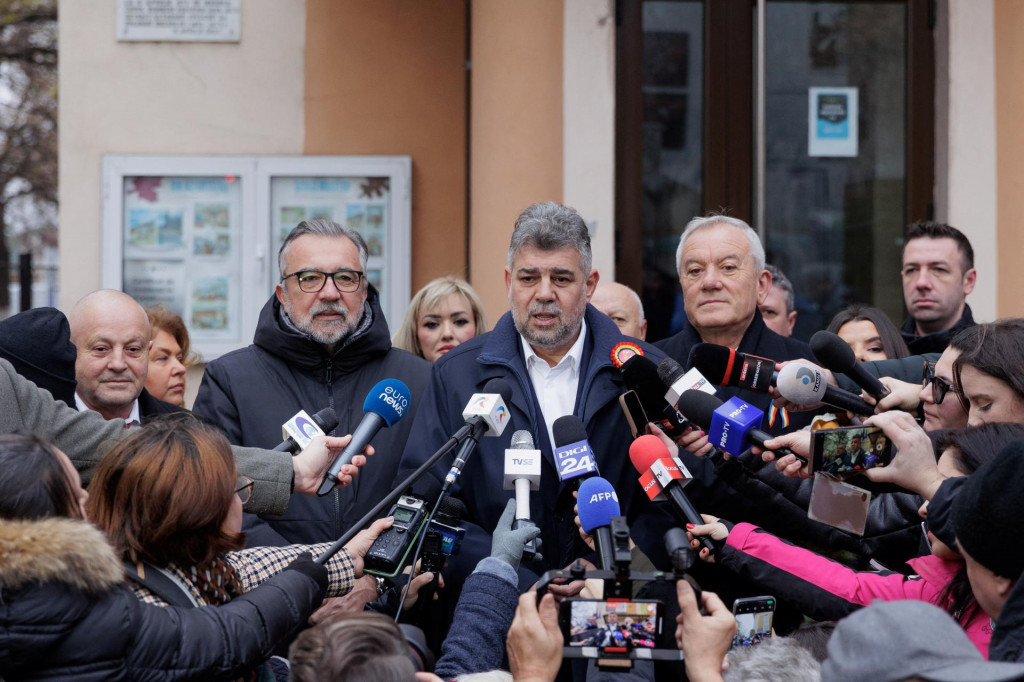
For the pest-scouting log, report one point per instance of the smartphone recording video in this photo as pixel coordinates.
(849, 449)
(753, 620)
(610, 623)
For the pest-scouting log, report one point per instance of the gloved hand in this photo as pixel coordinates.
(507, 544)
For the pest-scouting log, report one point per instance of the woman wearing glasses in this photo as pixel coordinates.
(987, 376)
(182, 538)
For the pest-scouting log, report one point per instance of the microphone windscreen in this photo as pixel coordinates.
(669, 371)
(645, 451)
(453, 508)
(801, 384)
(501, 387)
(597, 503)
(718, 363)
(389, 398)
(698, 407)
(832, 352)
(568, 429)
(521, 440)
(426, 487)
(326, 419)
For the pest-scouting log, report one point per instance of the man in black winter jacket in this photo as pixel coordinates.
(321, 341)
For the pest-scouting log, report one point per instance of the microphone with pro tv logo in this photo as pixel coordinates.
(522, 474)
(661, 476)
(597, 504)
(301, 429)
(724, 366)
(835, 355)
(385, 404)
(731, 426)
(573, 456)
(805, 384)
(679, 381)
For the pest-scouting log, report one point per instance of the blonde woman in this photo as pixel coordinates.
(441, 315)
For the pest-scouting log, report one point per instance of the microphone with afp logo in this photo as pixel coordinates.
(385, 404)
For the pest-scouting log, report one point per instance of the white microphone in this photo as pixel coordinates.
(522, 473)
(485, 415)
(678, 381)
(298, 431)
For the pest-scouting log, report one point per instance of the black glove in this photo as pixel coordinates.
(305, 565)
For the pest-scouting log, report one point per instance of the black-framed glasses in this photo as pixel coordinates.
(940, 387)
(245, 491)
(312, 281)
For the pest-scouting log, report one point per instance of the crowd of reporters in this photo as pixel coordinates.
(169, 588)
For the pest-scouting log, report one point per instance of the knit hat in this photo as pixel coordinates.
(896, 640)
(38, 343)
(987, 512)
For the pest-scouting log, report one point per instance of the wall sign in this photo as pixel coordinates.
(832, 122)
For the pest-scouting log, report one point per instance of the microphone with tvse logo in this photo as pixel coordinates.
(301, 429)
(522, 474)
(574, 457)
(385, 404)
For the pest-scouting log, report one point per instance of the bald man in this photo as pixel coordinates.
(622, 304)
(112, 335)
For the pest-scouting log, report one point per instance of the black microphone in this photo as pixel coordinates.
(835, 355)
(574, 457)
(641, 376)
(805, 384)
(724, 366)
(300, 429)
(385, 404)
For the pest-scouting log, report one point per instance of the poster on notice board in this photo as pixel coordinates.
(832, 122)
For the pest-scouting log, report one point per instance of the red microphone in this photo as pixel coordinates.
(661, 476)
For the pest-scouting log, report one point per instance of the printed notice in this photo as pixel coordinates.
(179, 20)
(832, 122)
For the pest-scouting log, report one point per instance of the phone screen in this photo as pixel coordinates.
(610, 623)
(849, 449)
(753, 620)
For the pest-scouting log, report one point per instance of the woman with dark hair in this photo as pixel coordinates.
(869, 332)
(187, 526)
(169, 356)
(65, 612)
(987, 376)
(827, 590)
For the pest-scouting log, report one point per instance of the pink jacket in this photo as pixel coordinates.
(828, 590)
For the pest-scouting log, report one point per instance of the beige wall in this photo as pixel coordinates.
(388, 77)
(515, 128)
(1009, 48)
(166, 98)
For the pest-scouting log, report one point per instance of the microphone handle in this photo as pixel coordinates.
(844, 400)
(870, 383)
(603, 544)
(285, 446)
(758, 437)
(367, 429)
(691, 515)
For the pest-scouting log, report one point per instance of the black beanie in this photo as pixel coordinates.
(38, 343)
(987, 513)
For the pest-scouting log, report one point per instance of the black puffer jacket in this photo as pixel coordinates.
(251, 392)
(66, 614)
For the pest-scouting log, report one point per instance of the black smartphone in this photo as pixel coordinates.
(849, 449)
(753, 619)
(634, 411)
(629, 624)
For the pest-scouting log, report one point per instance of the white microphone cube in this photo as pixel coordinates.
(492, 409)
(522, 464)
(692, 380)
(670, 469)
(301, 429)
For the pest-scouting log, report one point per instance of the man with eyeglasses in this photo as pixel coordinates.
(321, 341)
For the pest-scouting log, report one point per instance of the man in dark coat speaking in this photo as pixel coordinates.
(321, 341)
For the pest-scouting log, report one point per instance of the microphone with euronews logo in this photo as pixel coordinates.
(724, 366)
(805, 384)
(485, 415)
(573, 456)
(661, 476)
(522, 474)
(385, 404)
(731, 426)
(597, 504)
(301, 429)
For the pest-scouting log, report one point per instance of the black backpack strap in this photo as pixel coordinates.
(154, 580)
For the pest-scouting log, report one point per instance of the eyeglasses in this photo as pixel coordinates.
(939, 386)
(245, 491)
(312, 281)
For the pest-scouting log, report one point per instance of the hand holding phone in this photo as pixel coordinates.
(848, 450)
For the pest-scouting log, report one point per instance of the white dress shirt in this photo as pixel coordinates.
(133, 419)
(556, 386)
